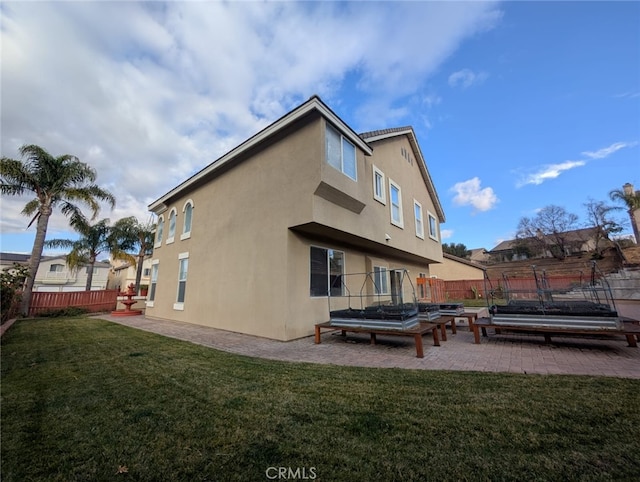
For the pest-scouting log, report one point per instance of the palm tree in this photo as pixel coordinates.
(95, 239)
(631, 199)
(130, 235)
(62, 182)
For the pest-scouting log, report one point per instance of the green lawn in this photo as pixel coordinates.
(84, 399)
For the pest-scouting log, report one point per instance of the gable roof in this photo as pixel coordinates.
(408, 131)
(313, 104)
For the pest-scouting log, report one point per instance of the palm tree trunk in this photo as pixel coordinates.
(36, 255)
(89, 276)
(634, 224)
(139, 270)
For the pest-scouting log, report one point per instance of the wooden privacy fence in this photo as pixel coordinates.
(517, 287)
(431, 289)
(103, 300)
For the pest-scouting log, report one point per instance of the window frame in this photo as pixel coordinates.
(153, 282)
(418, 221)
(327, 251)
(159, 231)
(171, 234)
(382, 196)
(186, 234)
(399, 223)
(433, 234)
(182, 258)
(385, 288)
(343, 140)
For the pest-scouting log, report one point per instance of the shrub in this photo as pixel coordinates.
(11, 283)
(70, 311)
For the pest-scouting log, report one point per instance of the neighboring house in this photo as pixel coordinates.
(122, 274)
(455, 268)
(255, 241)
(54, 275)
(576, 242)
(479, 255)
(7, 260)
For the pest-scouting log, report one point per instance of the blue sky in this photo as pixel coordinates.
(516, 105)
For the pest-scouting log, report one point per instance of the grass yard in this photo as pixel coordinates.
(84, 399)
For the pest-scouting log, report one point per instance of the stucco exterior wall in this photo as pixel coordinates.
(374, 221)
(304, 311)
(451, 270)
(249, 267)
(237, 276)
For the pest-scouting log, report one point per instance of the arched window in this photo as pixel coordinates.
(172, 225)
(188, 213)
(159, 232)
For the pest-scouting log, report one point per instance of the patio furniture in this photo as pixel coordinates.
(629, 328)
(416, 332)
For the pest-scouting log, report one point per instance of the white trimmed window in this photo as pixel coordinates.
(172, 225)
(381, 280)
(159, 232)
(395, 202)
(379, 192)
(433, 226)
(417, 212)
(341, 154)
(183, 259)
(186, 225)
(326, 268)
(153, 282)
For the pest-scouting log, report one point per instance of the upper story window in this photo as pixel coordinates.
(379, 193)
(172, 225)
(417, 212)
(433, 227)
(395, 199)
(341, 154)
(186, 225)
(159, 232)
(56, 268)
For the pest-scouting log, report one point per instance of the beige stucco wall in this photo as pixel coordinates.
(374, 222)
(237, 277)
(304, 311)
(248, 271)
(452, 270)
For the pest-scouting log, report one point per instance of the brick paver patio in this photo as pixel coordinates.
(507, 353)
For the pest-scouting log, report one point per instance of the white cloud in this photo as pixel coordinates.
(446, 233)
(469, 193)
(607, 151)
(550, 171)
(628, 95)
(149, 93)
(466, 78)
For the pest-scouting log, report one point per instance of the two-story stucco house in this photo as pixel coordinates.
(255, 241)
(54, 275)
